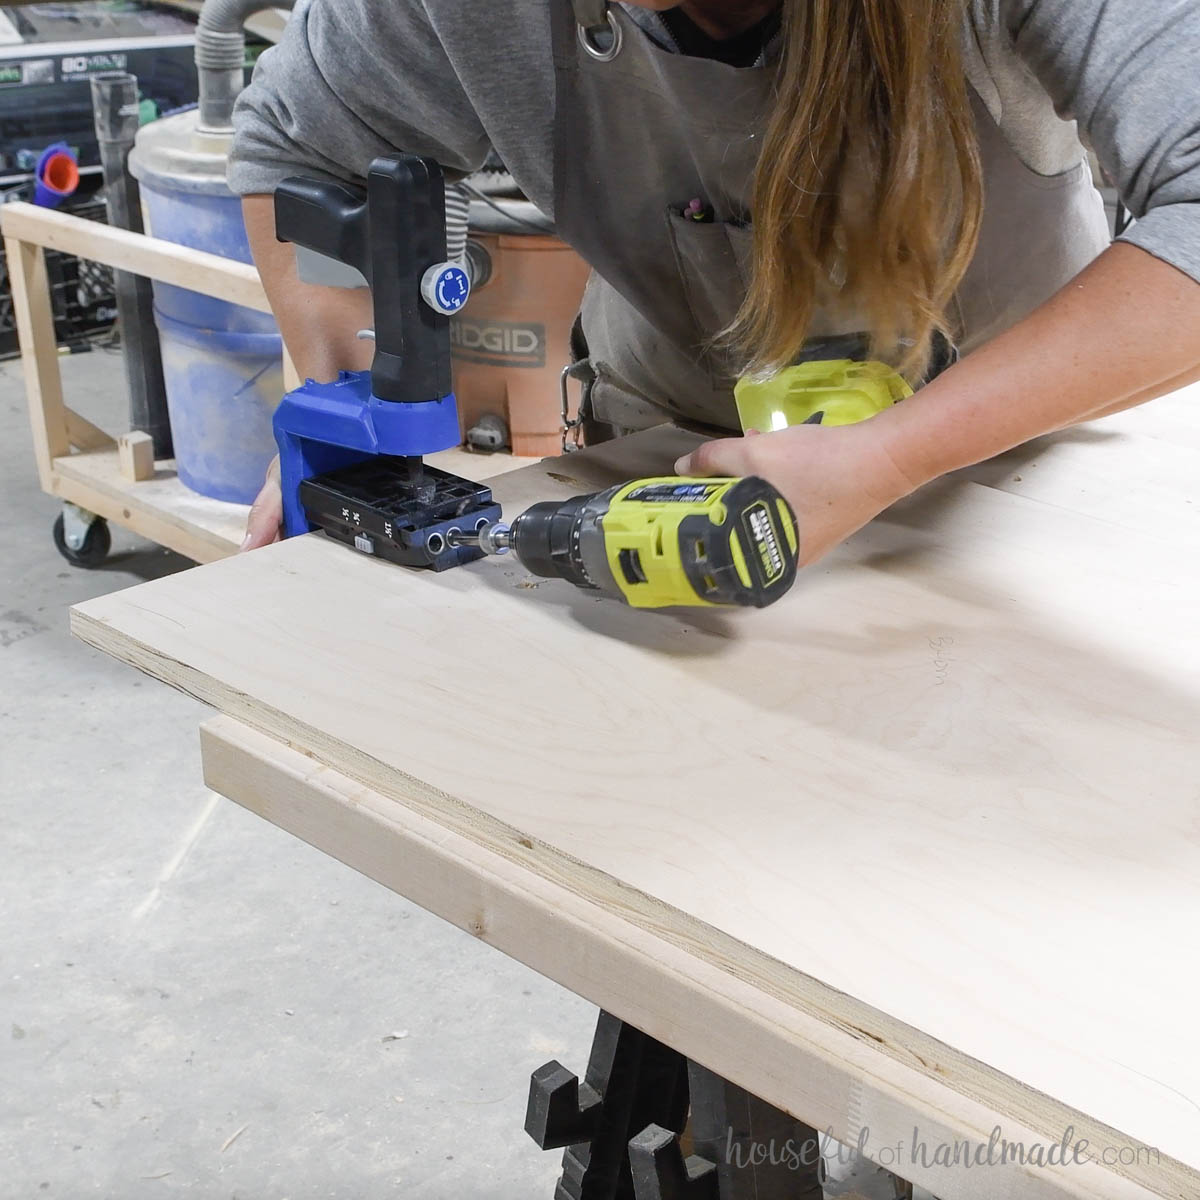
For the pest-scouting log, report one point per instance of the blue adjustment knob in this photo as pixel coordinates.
(445, 287)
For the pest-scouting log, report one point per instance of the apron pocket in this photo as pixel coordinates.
(712, 258)
(654, 370)
(615, 402)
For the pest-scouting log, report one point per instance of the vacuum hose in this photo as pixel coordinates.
(458, 211)
(221, 57)
(115, 108)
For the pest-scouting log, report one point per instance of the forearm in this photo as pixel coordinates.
(1127, 330)
(1192, 375)
(319, 324)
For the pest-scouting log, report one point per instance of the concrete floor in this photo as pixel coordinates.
(191, 1001)
(176, 973)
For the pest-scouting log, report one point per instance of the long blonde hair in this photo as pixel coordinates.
(868, 188)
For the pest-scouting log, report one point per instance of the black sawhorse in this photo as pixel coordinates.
(622, 1128)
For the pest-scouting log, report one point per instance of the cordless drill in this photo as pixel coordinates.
(658, 542)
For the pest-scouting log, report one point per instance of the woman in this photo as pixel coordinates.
(903, 174)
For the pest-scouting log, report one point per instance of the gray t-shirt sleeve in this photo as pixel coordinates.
(1128, 71)
(337, 92)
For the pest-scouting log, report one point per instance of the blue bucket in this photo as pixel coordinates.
(222, 389)
(222, 363)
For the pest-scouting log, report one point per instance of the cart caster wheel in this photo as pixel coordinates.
(95, 548)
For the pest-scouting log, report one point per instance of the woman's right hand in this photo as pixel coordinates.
(264, 525)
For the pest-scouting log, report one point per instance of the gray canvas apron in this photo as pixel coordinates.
(641, 134)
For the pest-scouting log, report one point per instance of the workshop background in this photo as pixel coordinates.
(193, 1001)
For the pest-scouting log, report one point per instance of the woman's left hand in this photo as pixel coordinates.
(836, 478)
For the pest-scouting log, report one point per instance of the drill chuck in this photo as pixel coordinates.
(563, 540)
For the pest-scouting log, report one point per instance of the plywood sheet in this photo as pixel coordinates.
(949, 785)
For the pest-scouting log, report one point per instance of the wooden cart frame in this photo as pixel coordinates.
(76, 460)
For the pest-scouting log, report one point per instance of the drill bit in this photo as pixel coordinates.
(490, 538)
(414, 481)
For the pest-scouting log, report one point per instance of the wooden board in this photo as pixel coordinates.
(135, 456)
(161, 508)
(34, 314)
(1136, 482)
(137, 253)
(841, 1079)
(946, 792)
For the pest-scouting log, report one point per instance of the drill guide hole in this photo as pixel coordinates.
(435, 544)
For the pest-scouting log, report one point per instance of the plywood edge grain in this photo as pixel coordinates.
(909, 1049)
(685, 991)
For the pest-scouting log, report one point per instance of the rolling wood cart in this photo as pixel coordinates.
(79, 462)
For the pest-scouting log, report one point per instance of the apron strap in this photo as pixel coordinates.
(590, 14)
(579, 368)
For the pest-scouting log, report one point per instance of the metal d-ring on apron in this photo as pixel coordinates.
(599, 32)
